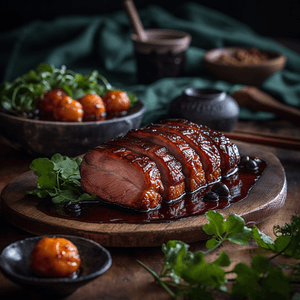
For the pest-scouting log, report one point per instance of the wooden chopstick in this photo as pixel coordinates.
(273, 140)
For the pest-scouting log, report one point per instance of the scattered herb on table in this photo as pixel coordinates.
(59, 178)
(19, 97)
(187, 275)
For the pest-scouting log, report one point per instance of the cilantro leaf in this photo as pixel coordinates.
(66, 166)
(288, 238)
(263, 240)
(44, 168)
(19, 97)
(192, 277)
(233, 229)
(180, 263)
(236, 230)
(59, 178)
(215, 225)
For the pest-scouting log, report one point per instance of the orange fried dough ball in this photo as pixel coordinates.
(68, 109)
(93, 106)
(116, 101)
(49, 100)
(54, 257)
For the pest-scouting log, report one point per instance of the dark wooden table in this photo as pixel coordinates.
(126, 279)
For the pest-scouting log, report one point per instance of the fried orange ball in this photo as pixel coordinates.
(49, 100)
(54, 257)
(93, 106)
(116, 101)
(69, 110)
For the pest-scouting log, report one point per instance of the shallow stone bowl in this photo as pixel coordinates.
(45, 138)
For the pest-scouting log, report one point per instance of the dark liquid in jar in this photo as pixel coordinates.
(239, 184)
(153, 66)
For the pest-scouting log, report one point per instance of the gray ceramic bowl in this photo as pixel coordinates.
(14, 264)
(45, 138)
(210, 107)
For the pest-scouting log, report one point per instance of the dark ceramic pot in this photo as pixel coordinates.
(210, 107)
(162, 54)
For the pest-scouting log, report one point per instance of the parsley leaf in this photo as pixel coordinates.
(260, 280)
(233, 229)
(288, 238)
(263, 240)
(19, 97)
(59, 178)
(187, 275)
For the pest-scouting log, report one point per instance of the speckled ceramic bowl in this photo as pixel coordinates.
(250, 74)
(45, 138)
(14, 263)
(210, 107)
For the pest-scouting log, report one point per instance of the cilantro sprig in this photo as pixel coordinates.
(59, 178)
(187, 275)
(19, 97)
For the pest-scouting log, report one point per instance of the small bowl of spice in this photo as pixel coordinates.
(243, 65)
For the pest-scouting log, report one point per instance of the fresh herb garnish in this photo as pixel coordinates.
(59, 178)
(187, 275)
(19, 97)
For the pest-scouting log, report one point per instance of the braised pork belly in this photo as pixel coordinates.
(158, 162)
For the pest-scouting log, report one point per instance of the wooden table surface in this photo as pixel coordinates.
(126, 279)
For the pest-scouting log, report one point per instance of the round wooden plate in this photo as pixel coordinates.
(265, 199)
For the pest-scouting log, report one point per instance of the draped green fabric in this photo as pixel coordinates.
(86, 43)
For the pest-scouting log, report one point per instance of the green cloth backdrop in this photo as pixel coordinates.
(86, 43)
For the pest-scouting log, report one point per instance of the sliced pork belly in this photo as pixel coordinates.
(180, 149)
(120, 176)
(169, 167)
(208, 153)
(229, 152)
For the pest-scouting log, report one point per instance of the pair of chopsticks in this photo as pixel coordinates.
(268, 139)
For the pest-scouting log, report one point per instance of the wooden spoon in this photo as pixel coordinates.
(135, 19)
(254, 98)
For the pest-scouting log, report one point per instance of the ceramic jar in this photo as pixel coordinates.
(162, 54)
(211, 107)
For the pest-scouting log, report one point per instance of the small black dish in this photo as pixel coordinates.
(14, 264)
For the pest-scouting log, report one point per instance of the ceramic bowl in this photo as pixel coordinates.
(14, 264)
(45, 138)
(162, 54)
(210, 107)
(250, 74)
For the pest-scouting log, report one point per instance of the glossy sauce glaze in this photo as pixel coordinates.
(239, 185)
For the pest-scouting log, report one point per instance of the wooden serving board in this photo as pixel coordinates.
(265, 199)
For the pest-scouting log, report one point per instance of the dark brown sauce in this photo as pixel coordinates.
(239, 184)
(154, 66)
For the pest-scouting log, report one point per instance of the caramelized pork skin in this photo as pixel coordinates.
(228, 151)
(181, 150)
(208, 153)
(157, 162)
(169, 167)
(120, 176)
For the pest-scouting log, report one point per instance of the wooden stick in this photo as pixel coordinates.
(256, 99)
(265, 139)
(135, 19)
(270, 135)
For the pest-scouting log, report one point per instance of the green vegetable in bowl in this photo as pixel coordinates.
(19, 97)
